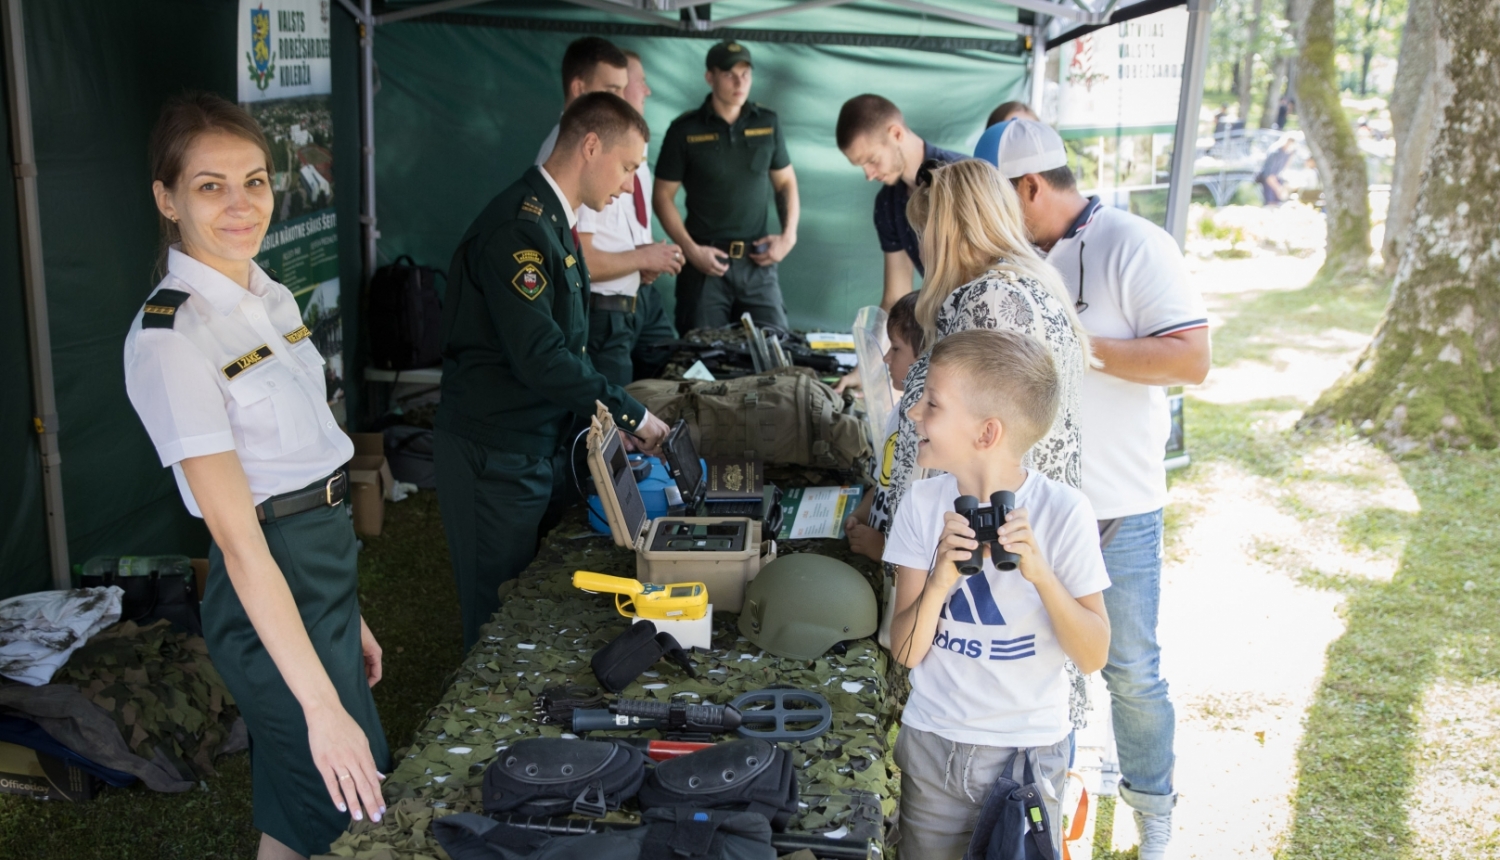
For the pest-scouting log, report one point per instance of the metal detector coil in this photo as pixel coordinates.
(770, 723)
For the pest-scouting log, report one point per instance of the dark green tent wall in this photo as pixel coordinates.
(461, 111)
(100, 71)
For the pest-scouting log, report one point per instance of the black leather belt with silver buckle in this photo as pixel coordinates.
(327, 493)
(622, 304)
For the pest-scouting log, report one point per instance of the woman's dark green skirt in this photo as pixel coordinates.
(317, 554)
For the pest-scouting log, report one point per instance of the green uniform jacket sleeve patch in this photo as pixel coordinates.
(246, 361)
(161, 308)
(529, 282)
(531, 209)
(527, 256)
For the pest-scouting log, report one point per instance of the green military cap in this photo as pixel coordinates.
(726, 55)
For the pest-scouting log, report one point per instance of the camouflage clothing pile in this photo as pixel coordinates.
(544, 634)
(162, 691)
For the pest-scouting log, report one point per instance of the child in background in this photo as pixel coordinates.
(987, 651)
(866, 527)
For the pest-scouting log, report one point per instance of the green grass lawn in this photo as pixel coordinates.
(406, 589)
(1436, 621)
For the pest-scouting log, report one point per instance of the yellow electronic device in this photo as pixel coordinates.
(634, 599)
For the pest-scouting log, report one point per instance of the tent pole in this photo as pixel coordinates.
(1189, 102)
(24, 154)
(367, 135)
(1039, 64)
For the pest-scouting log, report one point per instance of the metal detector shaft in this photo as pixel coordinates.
(784, 843)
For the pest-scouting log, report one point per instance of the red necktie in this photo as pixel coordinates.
(640, 203)
(576, 243)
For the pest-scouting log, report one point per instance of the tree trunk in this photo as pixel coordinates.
(1414, 105)
(1247, 73)
(1341, 166)
(1274, 91)
(1430, 377)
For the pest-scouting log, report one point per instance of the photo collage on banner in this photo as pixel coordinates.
(285, 82)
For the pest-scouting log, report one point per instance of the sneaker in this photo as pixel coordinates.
(1156, 832)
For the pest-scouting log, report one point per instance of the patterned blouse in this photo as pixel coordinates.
(1003, 300)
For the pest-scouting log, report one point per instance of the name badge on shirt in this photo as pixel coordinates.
(299, 333)
(247, 361)
(758, 132)
(702, 138)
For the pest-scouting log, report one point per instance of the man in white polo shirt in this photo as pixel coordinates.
(1150, 330)
(625, 311)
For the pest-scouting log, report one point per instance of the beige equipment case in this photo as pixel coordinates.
(725, 572)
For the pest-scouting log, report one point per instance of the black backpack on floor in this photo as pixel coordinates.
(405, 315)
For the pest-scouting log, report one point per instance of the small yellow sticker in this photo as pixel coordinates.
(570, 261)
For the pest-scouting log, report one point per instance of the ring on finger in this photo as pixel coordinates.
(344, 776)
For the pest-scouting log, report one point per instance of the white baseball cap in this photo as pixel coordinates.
(1021, 146)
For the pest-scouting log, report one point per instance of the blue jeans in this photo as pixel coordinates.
(1145, 723)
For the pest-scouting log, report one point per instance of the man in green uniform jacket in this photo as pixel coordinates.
(731, 157)
(515, 362)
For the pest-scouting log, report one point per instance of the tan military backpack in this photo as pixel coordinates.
(785, 417)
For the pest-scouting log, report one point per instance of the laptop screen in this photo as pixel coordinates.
(683, 463)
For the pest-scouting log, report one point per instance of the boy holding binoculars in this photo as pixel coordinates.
(987, 649)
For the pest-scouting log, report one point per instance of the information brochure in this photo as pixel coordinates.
(817, 512)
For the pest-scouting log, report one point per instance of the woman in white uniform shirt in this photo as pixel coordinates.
(231, 390)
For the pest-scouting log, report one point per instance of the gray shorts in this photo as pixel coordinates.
(944, 784)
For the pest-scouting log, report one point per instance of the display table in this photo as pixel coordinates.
(545, 633)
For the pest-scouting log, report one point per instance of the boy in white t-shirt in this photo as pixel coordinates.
(987, 650)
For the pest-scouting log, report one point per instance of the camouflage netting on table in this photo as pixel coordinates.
(545, 633)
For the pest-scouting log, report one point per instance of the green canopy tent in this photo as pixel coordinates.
(436, 106)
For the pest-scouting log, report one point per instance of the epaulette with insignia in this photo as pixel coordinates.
(161, 309)
(531, 209)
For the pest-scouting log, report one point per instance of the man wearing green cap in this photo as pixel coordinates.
(730, 156)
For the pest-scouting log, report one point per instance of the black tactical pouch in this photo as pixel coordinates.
(748, 774)
(558, 776)
(619, 663)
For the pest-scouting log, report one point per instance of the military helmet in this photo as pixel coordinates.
(801, 605)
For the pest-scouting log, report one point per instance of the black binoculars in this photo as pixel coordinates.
(986, 522)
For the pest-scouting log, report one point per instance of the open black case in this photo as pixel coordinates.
(687, 472)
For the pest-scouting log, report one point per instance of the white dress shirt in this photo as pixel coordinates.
(236, 371)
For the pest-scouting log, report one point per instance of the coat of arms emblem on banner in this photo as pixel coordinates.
(262, 61)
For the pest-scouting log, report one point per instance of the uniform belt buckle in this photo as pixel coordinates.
(328, 489)
(736, 250)
(632, 304)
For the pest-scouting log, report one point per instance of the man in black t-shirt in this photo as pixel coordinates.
(872, 134)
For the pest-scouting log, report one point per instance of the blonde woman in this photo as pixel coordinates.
(983, 274)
